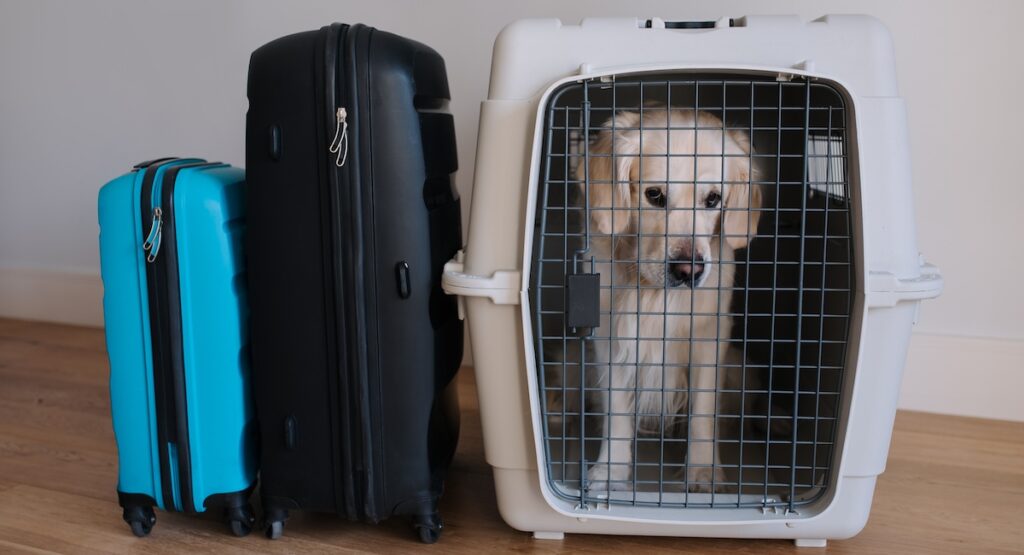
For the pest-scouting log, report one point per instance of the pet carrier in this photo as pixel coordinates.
(691, 274)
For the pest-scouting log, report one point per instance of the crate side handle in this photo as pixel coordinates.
(502, 287)
(885, 289)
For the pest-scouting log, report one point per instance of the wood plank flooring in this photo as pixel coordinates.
(953, 485)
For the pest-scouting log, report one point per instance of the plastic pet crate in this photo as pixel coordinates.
(691, 274)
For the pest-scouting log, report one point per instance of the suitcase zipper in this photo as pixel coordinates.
(175, 344)
(362, 423)
(356, 490)
(155, 290)
(348, 482)
(152, 244)
(339, 144)
(342, 107)
(166, 339)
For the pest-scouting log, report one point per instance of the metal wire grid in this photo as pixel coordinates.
(789, 302)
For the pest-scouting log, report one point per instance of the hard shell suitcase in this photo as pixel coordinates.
(352, 210)
(174, 306)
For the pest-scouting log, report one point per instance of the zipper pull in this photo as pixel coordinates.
(152, 244)
(339, 144)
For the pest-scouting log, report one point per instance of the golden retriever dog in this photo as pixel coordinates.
(664, 226)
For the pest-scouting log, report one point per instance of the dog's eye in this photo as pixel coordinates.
(712, 200)
(655, 196)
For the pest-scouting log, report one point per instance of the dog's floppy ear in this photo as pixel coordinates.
(612, 162)
(743, 194)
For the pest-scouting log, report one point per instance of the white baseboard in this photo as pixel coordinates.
(966, 376)
(52, 296)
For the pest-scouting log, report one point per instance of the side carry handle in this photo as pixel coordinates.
(502, 287)
(885, 289)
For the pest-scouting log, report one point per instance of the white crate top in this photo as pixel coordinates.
(855, 50)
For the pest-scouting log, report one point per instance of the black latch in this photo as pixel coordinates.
(289, 432)
(684, 24)
(583, 308)
(402, 276)
(274, 142)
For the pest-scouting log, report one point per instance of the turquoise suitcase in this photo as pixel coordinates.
(171, 256)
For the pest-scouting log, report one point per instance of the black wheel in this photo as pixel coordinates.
(274, 529)
(240, 520)
(140, 519)
(429, 535)
(428, 527)
(139, 529)
(240, 529)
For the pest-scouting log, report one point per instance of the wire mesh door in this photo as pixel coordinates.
(691, 289)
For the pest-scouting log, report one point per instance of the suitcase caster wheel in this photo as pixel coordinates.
(429, 535)
(240, 520)
(140, 529)
(140, 519)
(240, 529)
(274, 530)
(428, 527)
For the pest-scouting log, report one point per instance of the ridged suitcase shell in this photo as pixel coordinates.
(208, 223)
(355, 346)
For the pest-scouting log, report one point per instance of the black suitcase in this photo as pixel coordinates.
(352, 214)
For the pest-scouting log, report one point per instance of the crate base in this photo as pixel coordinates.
(524, 507)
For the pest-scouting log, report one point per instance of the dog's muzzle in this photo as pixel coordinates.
(686, 271)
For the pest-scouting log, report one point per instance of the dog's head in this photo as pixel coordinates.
(645, 182)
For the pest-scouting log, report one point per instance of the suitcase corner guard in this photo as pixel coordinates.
(502, 287)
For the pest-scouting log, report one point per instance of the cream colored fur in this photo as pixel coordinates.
(631, 354)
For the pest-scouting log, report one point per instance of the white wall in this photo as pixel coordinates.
(88, 88)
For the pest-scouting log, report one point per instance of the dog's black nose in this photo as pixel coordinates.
(683, 271)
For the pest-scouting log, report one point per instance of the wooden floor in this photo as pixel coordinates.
(953, 485)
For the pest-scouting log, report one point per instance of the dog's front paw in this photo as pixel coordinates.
(700, 479)
(605, 477)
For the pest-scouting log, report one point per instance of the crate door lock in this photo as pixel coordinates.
(583, 301)
(502, 287)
